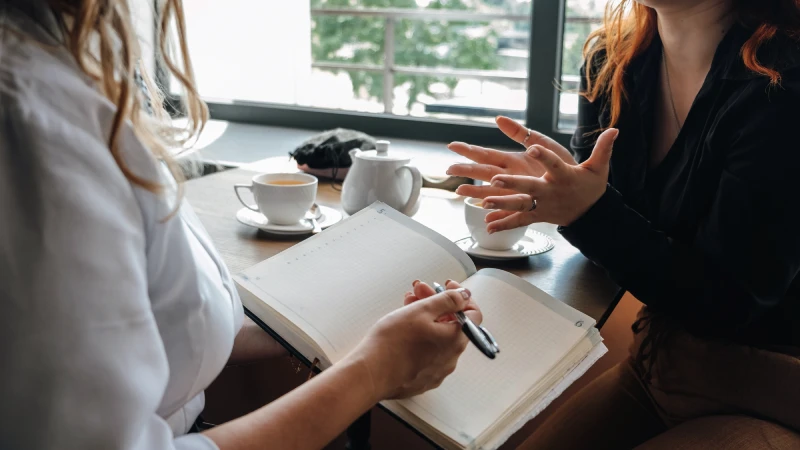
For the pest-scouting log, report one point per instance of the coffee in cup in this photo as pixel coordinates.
(475, 216)
(286, 182)
(283, 198)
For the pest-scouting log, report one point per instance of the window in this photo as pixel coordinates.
(581, 18)
(436, 64)
(428, 58)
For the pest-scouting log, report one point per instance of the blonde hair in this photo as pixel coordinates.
(100, 36)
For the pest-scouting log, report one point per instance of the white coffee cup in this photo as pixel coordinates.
(284, 198)
(475, 216)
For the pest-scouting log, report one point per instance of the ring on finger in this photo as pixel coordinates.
(533, 205)
(527, 136)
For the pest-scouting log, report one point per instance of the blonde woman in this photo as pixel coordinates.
(117, 310)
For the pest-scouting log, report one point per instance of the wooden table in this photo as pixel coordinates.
(563, 272)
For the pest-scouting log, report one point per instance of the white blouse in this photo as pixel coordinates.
(113, 319)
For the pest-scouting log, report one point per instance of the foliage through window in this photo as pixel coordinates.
(464, 60)
(417, 43)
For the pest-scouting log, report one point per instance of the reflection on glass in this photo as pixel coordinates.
(338, 54)
(582, 17)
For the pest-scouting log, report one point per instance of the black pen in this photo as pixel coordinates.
(479, 335)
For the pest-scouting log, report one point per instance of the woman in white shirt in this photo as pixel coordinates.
(117, 310)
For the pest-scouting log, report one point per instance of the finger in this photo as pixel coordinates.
(450, 284)
(409, 298)
(450, 301)
(481, 155)
(514, 221)
(551, 162)
(474, 315)
(519, 183)
(423, 290)
(497, 215)
(516, 202)
(483, 172)
(470, 190)
(473, 311)
(601, 155)
(518, 132)
(513, 129)
(447, 318)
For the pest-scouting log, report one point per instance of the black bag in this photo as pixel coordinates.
(329, 150)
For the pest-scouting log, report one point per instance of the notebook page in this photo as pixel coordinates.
(337, 284)
(566, 381)
(532, 337)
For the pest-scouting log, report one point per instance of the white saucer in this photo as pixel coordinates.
(328, 216)
(533, 243)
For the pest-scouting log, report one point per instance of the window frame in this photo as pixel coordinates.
(547, 27)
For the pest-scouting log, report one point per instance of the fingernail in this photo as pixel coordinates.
(498, 184)
(534, 151)
(616, 135)
(447, 172)
(491, 231)
(488, 205)
(464, 292)
(415, 283)
(408, 293)
(448, 281)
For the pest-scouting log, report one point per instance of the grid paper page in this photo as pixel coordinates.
(339, 283)
(532, 339)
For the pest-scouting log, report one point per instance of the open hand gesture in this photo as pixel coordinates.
(560, 196)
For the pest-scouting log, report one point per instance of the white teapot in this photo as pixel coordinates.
(377, 175)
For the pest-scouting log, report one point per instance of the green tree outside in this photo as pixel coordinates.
(575, 33)
(429, 43)
(422, 43)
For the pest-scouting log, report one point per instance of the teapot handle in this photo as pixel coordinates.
(416, 186)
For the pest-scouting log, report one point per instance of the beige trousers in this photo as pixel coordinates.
(702, 395)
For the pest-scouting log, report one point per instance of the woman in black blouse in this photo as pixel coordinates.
(696, 212)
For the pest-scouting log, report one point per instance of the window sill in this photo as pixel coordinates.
(229, 145)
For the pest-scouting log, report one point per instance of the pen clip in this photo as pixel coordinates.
(489, 338)
(478, 337)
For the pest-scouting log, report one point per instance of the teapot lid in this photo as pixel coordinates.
(381, 153)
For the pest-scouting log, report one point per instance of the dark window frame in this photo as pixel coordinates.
(544, 68)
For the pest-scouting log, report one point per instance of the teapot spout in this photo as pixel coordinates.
(353, 153)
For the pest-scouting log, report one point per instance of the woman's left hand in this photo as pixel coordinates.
(563, 194)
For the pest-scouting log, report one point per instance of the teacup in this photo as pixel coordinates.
(475, 216)
(283, 198)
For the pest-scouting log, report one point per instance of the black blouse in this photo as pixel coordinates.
(711, 237)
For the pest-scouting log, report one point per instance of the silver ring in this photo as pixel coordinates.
(533, 204)
(525, 141)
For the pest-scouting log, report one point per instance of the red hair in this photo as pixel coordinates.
(628, 29)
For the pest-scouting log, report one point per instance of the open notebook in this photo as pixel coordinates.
(323, 294)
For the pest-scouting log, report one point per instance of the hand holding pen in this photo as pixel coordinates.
(469, 319)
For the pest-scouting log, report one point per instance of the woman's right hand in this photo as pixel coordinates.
(409, 351)
(490, 162)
